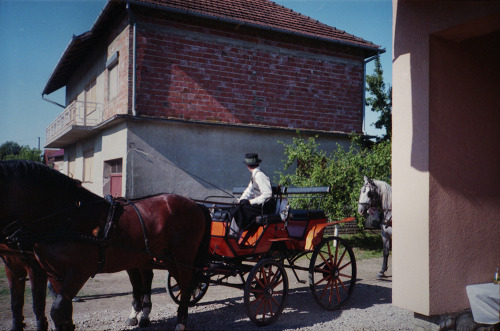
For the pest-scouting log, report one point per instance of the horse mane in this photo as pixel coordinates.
(385, 194)
(39, 175)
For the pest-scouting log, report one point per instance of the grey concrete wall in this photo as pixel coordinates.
(199, 160)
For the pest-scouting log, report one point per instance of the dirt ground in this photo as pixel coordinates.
(106, 303)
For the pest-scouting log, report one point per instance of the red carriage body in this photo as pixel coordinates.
(271, 244)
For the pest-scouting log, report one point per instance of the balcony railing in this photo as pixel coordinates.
(79, 114)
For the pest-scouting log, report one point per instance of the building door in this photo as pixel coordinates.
(116, 185)
(113, 177)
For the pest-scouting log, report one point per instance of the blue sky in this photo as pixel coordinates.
(34, 34)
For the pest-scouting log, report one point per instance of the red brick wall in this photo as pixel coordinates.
(119, 40)
(218, 73)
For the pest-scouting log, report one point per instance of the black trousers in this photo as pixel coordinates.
(244, 214)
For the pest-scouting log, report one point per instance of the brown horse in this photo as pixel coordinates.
(17, 267)
(74, 238)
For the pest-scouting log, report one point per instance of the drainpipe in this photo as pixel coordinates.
(133, 22)
(364, 85)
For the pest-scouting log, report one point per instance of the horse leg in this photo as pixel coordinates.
(62, 313)
(39, 288)
(62, 307)
(386, 240)
(147, 280)
(187, 280)
(137, 293)
(16, 274)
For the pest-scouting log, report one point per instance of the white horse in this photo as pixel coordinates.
(377, 195)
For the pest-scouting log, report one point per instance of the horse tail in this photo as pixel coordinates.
(203, 249)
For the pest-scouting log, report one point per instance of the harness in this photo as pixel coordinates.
(104, 242)
(13, 233)
(375, 202)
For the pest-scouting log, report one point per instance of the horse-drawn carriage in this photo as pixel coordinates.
(256, 262)
(75, 234)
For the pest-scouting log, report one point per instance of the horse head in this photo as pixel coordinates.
(34, 196)
(368, 198)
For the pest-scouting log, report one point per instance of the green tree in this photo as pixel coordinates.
(9, 148)
(380, 100)
(12, 151)
(343, 171)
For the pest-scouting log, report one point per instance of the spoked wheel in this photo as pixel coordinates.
(266, 290)
(175, 292)
(332, 273)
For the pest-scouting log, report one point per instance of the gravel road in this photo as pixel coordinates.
(107, 297)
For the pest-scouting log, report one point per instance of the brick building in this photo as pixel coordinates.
(168, 95)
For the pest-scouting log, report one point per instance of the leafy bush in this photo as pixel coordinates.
(343, 172)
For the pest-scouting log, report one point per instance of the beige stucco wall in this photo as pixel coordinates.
(445, 165)
(108, 144)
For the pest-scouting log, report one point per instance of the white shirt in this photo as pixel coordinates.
(259, 189)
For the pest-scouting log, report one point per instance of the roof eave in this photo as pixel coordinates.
(371, 50)
(52, 86)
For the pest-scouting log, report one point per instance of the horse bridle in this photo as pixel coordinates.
(374, 200)
(376, 203)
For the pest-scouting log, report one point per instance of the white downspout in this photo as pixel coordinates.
(134, 47)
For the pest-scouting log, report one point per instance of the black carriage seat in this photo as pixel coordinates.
(221, 215)
(275, 217)
(305, 214)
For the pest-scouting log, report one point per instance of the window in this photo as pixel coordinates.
(115, 166)
(88, 160)
(112, 66)
(90, 100)
(113, 82)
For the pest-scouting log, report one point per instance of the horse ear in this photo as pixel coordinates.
(366, 179)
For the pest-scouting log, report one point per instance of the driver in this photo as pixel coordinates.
(255, 200)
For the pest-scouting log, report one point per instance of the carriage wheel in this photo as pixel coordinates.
(175, 292)
(332, 273)
(266, 290)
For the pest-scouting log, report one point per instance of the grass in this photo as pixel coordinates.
(365, 245)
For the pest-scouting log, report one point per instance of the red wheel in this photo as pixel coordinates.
(175, 292)
(266, 290)
(332, 273)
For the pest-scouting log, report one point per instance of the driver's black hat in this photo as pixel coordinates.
(252, 159)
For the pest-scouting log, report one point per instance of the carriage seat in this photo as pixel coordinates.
(305, 214)
(221, 215)
(268, 219)
(298, 221)
(279, 213)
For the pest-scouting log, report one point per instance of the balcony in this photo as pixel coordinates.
(75, 122)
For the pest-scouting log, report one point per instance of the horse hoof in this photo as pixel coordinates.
(180, 327)
(144, 322)
(381, 274)
(17, 326)
(131, 322)
(65, 327)
(42, 325)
